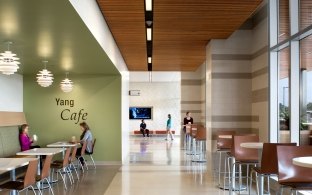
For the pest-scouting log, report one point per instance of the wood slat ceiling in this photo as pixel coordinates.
(181, 29)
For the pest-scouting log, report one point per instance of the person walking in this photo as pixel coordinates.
(169, 124)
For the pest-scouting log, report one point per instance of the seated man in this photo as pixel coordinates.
(143, 129)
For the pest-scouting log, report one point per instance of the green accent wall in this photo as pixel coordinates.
(97, 95)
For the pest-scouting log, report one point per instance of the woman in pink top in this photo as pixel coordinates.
(25, 140)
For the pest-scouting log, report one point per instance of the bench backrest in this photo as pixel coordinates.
(9, 141)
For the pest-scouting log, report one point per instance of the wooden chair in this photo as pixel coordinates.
(290, 175)
(84, 152)
(223, 146)
(200, 139)
(268, 166)
(242, 156)
(28, 181)
(45, 173)
(62, 167)
(72, 159)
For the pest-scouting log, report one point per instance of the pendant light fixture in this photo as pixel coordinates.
(45, 77)
(8, 61)
(67, 85)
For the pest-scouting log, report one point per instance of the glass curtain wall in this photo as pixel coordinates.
(290, 29)
(283, 95)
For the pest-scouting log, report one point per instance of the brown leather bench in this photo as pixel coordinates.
(153, 132)
(163, 132)
(138, 132)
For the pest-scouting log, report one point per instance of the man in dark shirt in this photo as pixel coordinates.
(143, 129)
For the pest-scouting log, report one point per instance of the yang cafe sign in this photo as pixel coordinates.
(69, 113)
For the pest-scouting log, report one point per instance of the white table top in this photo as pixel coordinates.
(252, 145)
(225, 136)
(41, 151)
(62, 144)
(8, 164)
(303, 161)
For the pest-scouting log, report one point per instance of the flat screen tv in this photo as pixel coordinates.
(140, 112)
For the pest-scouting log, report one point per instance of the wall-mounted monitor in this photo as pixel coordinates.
(140, 112)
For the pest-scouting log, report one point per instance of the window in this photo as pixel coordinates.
(283, 95)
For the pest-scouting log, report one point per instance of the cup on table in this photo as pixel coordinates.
(73, 139)
(35, 137)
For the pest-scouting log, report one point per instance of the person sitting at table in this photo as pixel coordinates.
(86, 136)
(25, 141)
(143, 129)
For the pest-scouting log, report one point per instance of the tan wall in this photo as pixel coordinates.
(193, 94)
(237, 81)
(260, 79)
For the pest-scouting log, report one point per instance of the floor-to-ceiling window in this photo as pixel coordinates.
(290, 70)
(283, 94)
(305, 90)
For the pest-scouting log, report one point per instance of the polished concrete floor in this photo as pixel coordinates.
(154, 167)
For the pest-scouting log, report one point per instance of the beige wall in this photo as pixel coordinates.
(259, 64)
(164, 97)
(193, 94)
(237, 82)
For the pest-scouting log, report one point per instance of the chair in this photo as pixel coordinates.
(85, 152)
(62, 166)
(45, 173)
(242, 156)
(268, 166)
(290, 175)
(200, 138)
(28, 182)
(72, 159)
(224, 146)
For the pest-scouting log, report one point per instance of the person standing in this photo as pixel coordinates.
(143, 128)
(169, 124)
(188, 120)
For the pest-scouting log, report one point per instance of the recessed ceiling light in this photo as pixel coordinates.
(149, 34)
(149, 60)
(148, 5)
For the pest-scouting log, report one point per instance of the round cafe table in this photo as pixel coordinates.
(303, 161)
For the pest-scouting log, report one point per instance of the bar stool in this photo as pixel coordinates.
(224, 145)
(290, 175)
(191, 139)
(268, 165)
(241, 156)
(200, 140)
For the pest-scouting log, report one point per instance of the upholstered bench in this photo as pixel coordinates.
(163, 132)
(153, 132)
(9, 146)
(138, 132)
(9, 141)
